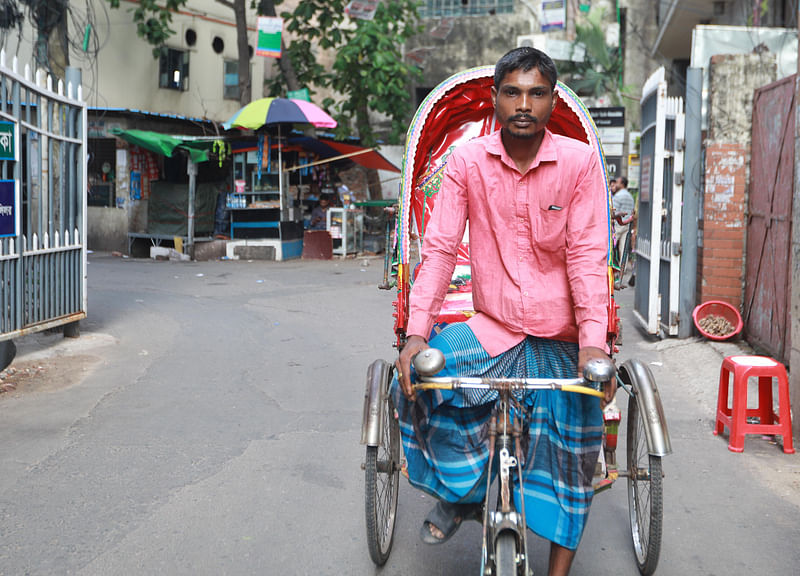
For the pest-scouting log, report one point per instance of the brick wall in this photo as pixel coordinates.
(720, 256)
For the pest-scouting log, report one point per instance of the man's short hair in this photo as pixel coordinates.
(525, 58)
(624, 181)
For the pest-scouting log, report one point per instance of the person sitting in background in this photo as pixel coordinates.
(319, 213)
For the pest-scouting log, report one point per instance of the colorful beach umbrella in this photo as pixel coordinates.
(266, 112)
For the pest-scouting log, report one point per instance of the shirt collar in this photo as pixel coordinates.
(547, 151)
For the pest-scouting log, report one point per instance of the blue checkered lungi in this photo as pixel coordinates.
(445, 433)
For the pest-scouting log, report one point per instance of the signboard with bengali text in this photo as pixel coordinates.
(554, 14)
(7, 149)
(8, 208)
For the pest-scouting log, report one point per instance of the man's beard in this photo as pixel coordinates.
(521, 135)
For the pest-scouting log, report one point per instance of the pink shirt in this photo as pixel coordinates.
(538, 244)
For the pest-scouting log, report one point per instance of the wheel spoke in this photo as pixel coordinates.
(382, 483)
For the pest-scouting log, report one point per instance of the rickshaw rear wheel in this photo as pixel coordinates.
(645, 493)
(382, 477)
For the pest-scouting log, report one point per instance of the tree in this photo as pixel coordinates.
(600, 73)
(49, 19)
(368, 71)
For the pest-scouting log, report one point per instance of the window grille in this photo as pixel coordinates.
(451, 8)
(173, 69)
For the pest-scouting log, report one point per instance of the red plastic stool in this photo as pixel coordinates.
(735, 418)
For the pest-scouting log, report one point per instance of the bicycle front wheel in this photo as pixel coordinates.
(505, 554)
(382, 469)
(645, 493)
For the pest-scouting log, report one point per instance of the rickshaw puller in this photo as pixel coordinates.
(538, 217)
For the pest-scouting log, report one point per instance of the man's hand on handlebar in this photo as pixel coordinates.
(584, 356)
(414, 345)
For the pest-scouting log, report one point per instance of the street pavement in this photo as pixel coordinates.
(727, 513)
(207, 422)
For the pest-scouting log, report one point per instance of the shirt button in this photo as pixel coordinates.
(525, 293)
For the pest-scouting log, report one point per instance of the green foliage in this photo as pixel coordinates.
(153, 21)
(600, 74)
(368, 70)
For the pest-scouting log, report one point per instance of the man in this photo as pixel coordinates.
(319, 214)
(538, 220)
(622, 200)
(623, 205)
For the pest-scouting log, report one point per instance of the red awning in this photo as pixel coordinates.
(332, 150)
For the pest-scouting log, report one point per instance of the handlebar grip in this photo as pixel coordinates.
(428, 362)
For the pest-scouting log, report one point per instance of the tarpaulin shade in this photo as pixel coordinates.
(165, 144)
(325, 148)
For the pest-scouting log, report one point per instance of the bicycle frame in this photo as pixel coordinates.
(505, 516)
(505, 443)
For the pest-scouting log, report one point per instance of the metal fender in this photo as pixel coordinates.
(637, 375)
(378, 375)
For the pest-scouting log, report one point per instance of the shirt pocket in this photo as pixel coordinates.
(551, 223)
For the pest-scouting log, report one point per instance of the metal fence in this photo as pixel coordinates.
(42, 202)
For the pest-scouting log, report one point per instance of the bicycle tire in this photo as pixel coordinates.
(382, 477)
(505, 554)
(645, 493)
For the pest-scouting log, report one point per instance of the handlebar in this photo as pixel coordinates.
(431, 361)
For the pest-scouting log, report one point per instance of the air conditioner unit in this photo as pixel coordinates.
(531, 40)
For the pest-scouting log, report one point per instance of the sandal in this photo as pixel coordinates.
(447, 518)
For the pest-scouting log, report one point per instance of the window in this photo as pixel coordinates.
(230, 83)
(439, 8)
(173, 69)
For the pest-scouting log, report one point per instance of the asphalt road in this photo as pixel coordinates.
(207, 421)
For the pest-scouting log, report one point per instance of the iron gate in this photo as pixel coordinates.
(43, 172)
(658, 240)
(766, 308)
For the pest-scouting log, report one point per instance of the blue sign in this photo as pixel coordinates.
(8, 208)
(136, 185)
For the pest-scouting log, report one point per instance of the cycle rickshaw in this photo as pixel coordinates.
(457, 110)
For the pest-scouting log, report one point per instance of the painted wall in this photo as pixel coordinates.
(124, 74)
(721, 249)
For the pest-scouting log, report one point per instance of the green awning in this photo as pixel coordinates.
(165, 144)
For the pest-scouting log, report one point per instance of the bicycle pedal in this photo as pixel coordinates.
(602, 485)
